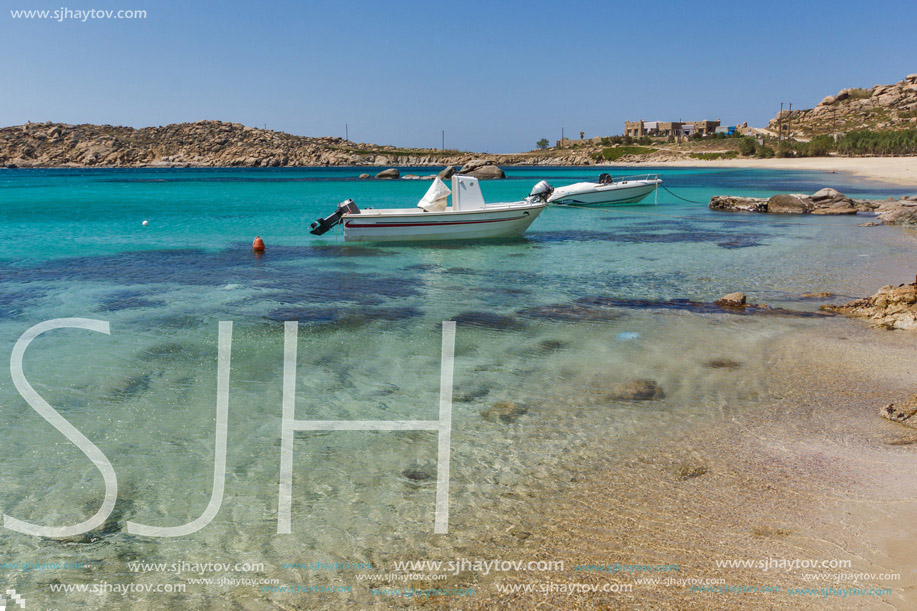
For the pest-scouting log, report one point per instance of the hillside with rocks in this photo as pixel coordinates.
(220, 144)
(881, 107)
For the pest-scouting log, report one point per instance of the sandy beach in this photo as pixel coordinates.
(815, 478)
(897, 170)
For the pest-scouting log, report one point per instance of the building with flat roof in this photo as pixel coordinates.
(638, 129)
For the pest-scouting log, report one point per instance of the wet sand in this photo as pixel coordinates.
(815, 475)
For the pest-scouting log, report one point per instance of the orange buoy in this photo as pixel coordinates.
(258, 244)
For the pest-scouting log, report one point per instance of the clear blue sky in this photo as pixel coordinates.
(497, 76)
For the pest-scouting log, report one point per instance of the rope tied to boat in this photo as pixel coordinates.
(670, 192)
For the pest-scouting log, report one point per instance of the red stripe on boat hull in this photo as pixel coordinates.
(350, 225)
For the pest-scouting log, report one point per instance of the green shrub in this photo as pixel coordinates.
(819, 146)
(785, 149)
(615, 153)
(747, 146)
(714, 156)
(764, 151)
(859, 93)
(867, 142)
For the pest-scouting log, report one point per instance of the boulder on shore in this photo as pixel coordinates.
(447, 172)
(787, 204)
(388, 174)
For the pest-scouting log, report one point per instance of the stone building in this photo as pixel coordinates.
(670, 129)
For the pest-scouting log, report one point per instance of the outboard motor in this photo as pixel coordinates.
(541, 192)
(321, 226)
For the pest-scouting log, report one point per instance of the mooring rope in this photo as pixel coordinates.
(690, 201)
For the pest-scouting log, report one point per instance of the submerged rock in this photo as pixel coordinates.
(363, 176)
(487, 319)
(893, 307)
(722, 364)
(821, 295)
(638, 390)
(690, 471)
(420, 473)
(551, 345)
(504, 411)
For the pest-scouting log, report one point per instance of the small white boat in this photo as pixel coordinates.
(606, 192)
(468, 217)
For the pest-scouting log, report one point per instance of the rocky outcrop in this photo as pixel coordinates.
(898, 212)
(732, 300)
(788, 204)
(388, 174)
(735, 203)
(482, 168)
(893, 307)
(884, 107)
(447, 172)
(901, 211)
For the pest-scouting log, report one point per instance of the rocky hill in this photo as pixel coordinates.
(217, 144)
(881, 107)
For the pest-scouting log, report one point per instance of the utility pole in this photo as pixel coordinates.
(444, 141)
(789, 121)
(780, 125)
(346, 132)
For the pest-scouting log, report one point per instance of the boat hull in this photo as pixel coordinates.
(606, 195)
(497, 222)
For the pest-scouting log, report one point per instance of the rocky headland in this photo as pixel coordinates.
(890, 211)
(222, 144)
(881, 107)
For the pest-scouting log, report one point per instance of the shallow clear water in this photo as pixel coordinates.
(587, 299)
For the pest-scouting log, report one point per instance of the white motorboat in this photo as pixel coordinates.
(468, 217)
(606, 192)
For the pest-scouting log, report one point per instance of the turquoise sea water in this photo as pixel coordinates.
(552, 321)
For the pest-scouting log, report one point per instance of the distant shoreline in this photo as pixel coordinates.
(898, 170)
